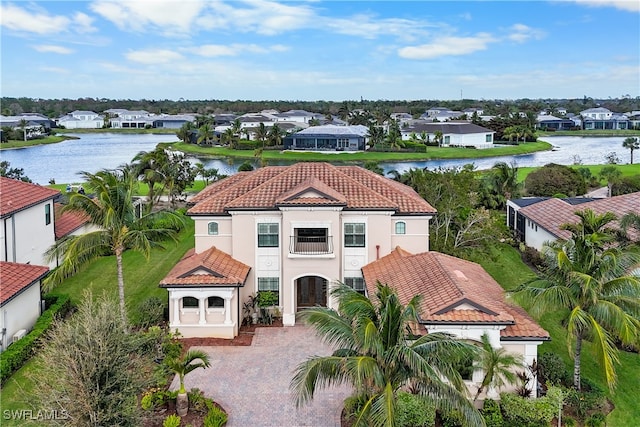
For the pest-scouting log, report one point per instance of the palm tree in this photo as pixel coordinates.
(182, 367)
(345, 111)
(590, 281)
(505, 179)
(151, 168)
(119, 227)
(237, 127)
(22, 124)
(376, 135)
(632, 144)
(184, 133)
(229, 137)
(437, 135)
(612, 174)
(205, 134)
(275, 135)
(378, 354)
(497, 365)
(262, 133)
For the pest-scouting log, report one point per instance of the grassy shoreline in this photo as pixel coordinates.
(596, 132)
(14, 144)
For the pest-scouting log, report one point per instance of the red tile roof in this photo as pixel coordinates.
(68, 222)
(18, 195)
(270, 187)
(212, 267)
(16, 277)
(550, 214)
(453, 291)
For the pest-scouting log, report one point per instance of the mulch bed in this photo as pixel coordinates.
(244, 338)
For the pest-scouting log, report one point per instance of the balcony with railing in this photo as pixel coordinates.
(311, 242)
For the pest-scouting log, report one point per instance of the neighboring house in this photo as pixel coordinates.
(34, 120)
(125, 119)
(441, 114)
(20, 300)
(459, 297)
(603, 118)
(538, 220)
(81, 120)
(71, 223)
(299, 230)
(176, 121)
(298, 116)
(328, 138)
(454, 134)
(28, 221)
(548, 121)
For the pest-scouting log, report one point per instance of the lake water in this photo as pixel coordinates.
(93, 152)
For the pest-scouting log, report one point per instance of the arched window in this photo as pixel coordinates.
(401, 227)
(190, 302)
(215, 302)
(213, 228)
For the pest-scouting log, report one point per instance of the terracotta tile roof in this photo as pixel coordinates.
(67, 222)
(453, 290)
(270, 187)
(212, 267)
(16, 277)
(552, 213)
(17, 195)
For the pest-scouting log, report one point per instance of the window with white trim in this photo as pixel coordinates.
(271, 284)
(47, 214)
(215, 302)
(354, 235)
(355, 283)
(212, 228)
(190, 302)
(268, 235)
(401, 227)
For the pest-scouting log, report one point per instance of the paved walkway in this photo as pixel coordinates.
(252, 383)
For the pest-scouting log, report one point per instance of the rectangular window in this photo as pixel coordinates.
(271, 284)
(355, 283)
(47, 214)
(213, 228)
(268, 235)
(488, 138)
(401, 227)
(354, 235)
(447, 139)
(190, 302)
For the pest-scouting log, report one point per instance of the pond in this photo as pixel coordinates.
(93, 152)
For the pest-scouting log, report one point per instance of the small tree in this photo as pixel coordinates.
(631, 144)
(182, 367)
(497, 365)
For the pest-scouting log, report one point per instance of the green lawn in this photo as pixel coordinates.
(504, 264)
(141, 281)
(30, 143)
(431, 153)
(627, 170)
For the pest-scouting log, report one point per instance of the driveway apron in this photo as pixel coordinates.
(252, 382)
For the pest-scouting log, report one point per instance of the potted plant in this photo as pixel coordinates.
(266, 300)
(182, 366)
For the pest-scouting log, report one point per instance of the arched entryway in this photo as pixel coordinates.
(311, 291)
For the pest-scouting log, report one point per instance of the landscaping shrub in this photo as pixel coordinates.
(552, 179)
(19, 353)
(491, 413)
(596, 420)
(150, 312)
(452, 419)
(569, 422)
(171, 421)
(626, 185)
(552, 370)
(521, 412)
(584, 402)
(215, 417)
(532, 257)
(414, 411)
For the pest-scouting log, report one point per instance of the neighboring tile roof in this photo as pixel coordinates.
(453, 291)
(16, 277)
(552, 213)
(212, 267)
(68, 222)
(18, 195)
(270, 187)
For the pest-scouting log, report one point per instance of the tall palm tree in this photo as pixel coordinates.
(151, 167)
(591, 282)
(631, 144)
(376, 135)
(497, 365)
(275, 135)
(262, 133)
(237, 127)
(229, 137)
(611, 174)
(437, 135)
(119, 227)
(184, 133)
(182, 367)
(22, 124)
(378, 354)
(205, 134)
(505, 179)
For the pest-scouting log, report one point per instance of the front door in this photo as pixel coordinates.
(312, 292)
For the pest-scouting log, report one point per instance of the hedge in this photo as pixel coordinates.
(17, 354)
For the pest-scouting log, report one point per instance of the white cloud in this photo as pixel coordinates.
(82, 23)
(153, 56)
(520, 33)
(164, 16)
(447, 46)
(369, 27)
(57, 70)
(49, 48)
(213, 50)
(628, 5)
(34, 20)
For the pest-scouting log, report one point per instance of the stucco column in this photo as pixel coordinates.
(176, 310)
(203, 313)
(227, 310)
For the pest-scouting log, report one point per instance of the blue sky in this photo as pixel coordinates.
(320, 50)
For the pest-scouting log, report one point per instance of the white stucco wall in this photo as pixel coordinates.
(20, 313)
(26, 236)
(535, 236)
(203, 321)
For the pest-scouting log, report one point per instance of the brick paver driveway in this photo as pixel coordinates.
(252, 383)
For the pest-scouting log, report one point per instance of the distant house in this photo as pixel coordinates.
(125, 119)
(441, 114)
(328, 138)
(27, 215)
(299, 116)
(176, 121)
(81, 120)
(548, 121)
(603, 118)
(20, 296)
(454, 134)
(538, 220)
(32, 119)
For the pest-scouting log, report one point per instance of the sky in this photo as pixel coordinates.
(320, 50)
